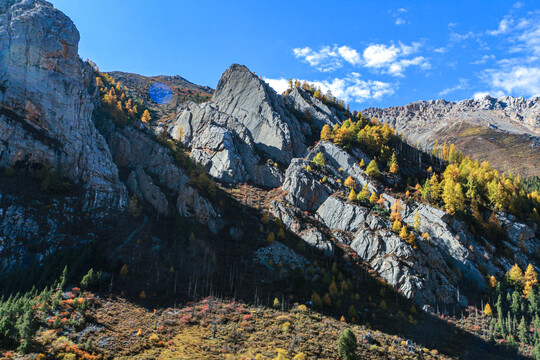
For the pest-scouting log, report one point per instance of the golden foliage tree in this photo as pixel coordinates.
(416, 220)
(350, 183)
(352, 195)
(146, 116)
(373, 169)
(395, 211)
(393, 164)
(396, 226)
(326, 133)
(488, 311)
(403, 233)
(515, 276)
(530, 278)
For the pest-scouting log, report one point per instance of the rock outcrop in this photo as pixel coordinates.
(247, 126)
(47, 97)
(223, 145)
(428, 272)
(275, 131)
(320, 114)
(157, 178)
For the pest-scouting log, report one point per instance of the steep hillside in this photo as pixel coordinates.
(498, 130)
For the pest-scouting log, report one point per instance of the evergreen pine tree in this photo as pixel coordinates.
(347, 345)
(522, 330)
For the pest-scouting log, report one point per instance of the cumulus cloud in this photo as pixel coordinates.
(350, 88)
(392, 59)
(280, 85)
(519, 79)
(350, 55)
(328, 58)
(325, 60)
(518, 73)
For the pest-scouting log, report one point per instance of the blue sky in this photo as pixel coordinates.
(369, 53)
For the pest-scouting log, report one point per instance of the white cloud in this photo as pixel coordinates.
(350, 55)
(441, 50)
(391, 59)
(483, 59)
(280, 85)
(480, 95)
(399, 15)
(349, 89)
(522, 80)
(519, 73)
(328, 58)
(462, 85)
(325, 60)
(504, 27)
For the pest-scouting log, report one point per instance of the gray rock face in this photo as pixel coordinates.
(336, 214)
(427, 273)
(319, 112)
(141, 184)
(275, 132)
(342, 165)
(318, 240)
(46, 107)
(247, 122)
(223, 145)
(133, 149)
(304, 190)
(412, 272)
(451, 238)
(32, 230)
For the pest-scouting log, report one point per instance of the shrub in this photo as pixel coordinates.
(154, 339)
(347, 345)
(276, 304)
(319, 160)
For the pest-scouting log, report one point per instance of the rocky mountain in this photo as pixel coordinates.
(235, 197)
(47, 99)
(504, 131)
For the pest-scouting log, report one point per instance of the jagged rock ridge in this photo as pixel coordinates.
(493, 129)
(247, 123)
